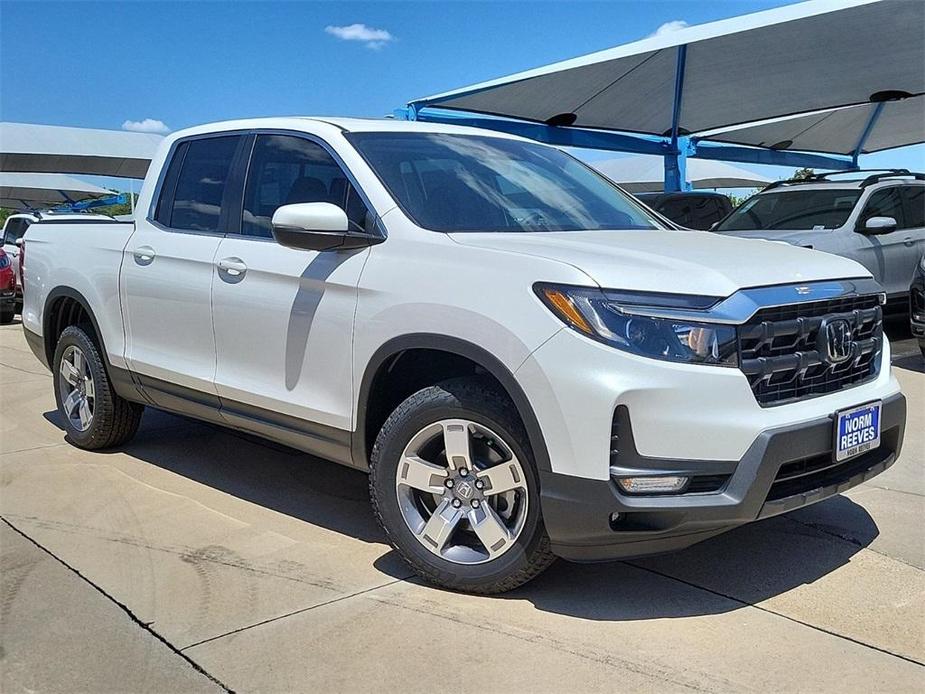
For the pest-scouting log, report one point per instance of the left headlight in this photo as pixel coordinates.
(623, 320)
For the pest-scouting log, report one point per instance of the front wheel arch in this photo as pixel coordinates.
(360, 447)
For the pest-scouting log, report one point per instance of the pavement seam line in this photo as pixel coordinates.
(295, 612)
(851, 541)
(147, 627)
(779, 614)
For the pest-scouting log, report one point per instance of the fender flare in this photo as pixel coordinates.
(460, 347)
(63, 292)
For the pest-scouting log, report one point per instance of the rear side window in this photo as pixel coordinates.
(286, 169)
(915, 206)
(886, 202)
(194, 187)
(15, 228)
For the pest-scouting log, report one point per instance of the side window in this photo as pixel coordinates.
(15, 228)
(197, 174)
(915, 206)
(287, 169)
(886, 202)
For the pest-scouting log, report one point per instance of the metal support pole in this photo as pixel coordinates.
(871, 122)
(676, 159)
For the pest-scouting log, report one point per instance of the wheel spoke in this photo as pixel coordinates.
(501, 478)
(79, 361)
(89, 388)
(420, 474)
(69, 372)
(71, 402)
(83, 411)
(440, 526)
(491, 531)
(456, 441)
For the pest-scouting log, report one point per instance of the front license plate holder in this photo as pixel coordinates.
(857, 430)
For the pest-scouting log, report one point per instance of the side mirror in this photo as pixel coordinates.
(20, 241)
(317, 226)
(879, 225)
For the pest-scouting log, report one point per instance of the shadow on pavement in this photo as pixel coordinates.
(748, 565)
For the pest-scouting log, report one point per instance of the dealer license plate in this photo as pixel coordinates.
(857, 430)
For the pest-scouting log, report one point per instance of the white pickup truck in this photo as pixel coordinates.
(526, 362)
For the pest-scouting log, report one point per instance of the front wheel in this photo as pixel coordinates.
(454, 486)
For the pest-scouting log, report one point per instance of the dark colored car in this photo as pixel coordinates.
(693, 209)
(917, 304)
(7, 289)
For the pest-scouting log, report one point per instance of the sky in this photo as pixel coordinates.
(163, 66)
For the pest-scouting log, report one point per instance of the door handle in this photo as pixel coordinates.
(908, 241)
(144, 255)
(232, 269)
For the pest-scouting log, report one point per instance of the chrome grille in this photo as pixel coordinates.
(779, 354)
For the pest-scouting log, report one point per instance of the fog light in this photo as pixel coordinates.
(653, 485)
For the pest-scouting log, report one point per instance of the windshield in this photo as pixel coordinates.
(793, 209)
(451, 183)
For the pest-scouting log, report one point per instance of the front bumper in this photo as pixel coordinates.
(578, 511)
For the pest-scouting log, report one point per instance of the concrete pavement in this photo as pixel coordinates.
(198, 559)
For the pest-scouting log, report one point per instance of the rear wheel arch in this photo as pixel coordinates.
(386, 356)
(65, 306)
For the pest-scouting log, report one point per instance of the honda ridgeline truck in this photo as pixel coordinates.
(524, 360)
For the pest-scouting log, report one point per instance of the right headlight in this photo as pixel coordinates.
(615, 318)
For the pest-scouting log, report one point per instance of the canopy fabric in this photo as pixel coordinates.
(24, 191)
(645, 174)
(54, 149)
(796, 59)
(839, 131)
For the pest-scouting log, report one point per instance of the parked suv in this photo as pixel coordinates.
(525, 361)
(877, 220)
(13, 230)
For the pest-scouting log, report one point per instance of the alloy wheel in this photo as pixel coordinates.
(77, 389)
(462, 491)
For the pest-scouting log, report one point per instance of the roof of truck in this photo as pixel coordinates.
(311, 123)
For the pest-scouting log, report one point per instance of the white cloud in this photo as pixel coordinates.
(368, 36)
(668, 27)
(148, 125)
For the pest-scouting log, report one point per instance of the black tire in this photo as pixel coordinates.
(115, 420)
(476, 401)
(7, 315)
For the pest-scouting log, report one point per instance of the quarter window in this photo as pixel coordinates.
(286, 169)
(198, 175)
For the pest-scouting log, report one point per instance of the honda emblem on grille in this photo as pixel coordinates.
(835, 341)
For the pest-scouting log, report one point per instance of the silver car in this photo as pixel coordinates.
(877, 220)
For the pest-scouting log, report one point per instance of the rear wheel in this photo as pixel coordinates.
(454, 486)
(7, 315)
(94, 415)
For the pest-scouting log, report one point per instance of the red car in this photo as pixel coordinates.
(7, 289)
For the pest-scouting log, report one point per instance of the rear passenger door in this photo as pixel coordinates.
(284, 317)
(167, 273)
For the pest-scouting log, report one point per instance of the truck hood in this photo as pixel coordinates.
(683, 262)
(807, 238)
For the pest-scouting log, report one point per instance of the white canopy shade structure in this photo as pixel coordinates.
(54, 149)
(664, 94)
(838, 131)
(645, 174)
(33, 191)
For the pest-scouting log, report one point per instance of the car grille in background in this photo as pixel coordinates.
(779, 354)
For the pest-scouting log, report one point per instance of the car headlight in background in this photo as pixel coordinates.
(614, 318)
